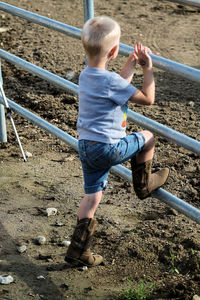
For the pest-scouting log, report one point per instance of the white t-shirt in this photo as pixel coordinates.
(103, 97)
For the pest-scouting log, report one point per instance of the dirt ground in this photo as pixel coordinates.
(144, 243)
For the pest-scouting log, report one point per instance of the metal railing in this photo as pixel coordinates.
(3, 132)
(157, 128)
(170, 134)
(158, 61)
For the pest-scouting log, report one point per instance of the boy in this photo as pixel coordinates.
(103, 98)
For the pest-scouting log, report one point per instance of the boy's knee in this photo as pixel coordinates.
(148, 135)
(149, 138)
(94, 197)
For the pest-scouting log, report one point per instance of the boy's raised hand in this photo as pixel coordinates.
(141, 54)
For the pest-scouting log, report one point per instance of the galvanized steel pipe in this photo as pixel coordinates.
(88, 9)
(158, 61)
(166, 197)
(3, 133)
(40, 20)
(164, 131)
(167, 64)
(63, 136)
(44, 74)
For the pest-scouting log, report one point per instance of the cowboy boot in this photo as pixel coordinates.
(144, 182)
(79, 249)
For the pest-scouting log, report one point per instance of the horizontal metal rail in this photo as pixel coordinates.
(178, 204)
(164, 131)
(195, 3)
(60, 134)
(157, 128)
(166, 197)
(40, 20)
(167, 64)
(158, 61)
(44, 74)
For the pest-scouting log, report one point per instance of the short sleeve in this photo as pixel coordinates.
(120, 90)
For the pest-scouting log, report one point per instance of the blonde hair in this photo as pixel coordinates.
(100, 35)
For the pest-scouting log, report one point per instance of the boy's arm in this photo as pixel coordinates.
(127, 71)
(147, 95)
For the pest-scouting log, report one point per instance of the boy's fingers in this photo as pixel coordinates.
(135, 56)
(139, 46)
(136, 48)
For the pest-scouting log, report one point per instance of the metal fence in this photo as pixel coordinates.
(162, 63)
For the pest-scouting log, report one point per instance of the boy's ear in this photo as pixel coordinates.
(113, 51)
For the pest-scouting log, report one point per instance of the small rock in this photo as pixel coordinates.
(191, 103)
(31, 294)
(28, 154)
(65, 243)
(84, 268)
(40, 277)
(40, 240)
(51, 211)
(190, 169)
(59, 223)
(6, 279)
(70, 75)
(3, 262)
(22, 249)
(45, 257)
(4, 29)
(196, 297)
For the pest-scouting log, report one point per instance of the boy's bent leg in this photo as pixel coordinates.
(79, 249)
(148, 150)
(144, 182)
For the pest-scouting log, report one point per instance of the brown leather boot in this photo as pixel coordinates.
(79, 249)
(144, 182)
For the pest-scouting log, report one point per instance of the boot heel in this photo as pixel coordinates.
(72, 261)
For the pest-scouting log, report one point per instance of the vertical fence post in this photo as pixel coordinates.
(3, 133)
(88, 14)
(88, 9)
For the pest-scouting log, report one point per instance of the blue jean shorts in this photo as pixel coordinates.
(97, 159)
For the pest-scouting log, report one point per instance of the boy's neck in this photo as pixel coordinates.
(98, 63)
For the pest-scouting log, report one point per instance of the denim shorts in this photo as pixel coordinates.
(97, 159)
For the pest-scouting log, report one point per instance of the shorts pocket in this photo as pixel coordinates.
(99, 155)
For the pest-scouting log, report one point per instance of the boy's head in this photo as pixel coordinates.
(100, 35)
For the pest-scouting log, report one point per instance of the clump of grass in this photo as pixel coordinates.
(139, 292)
(173, 268)
(192, 251)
